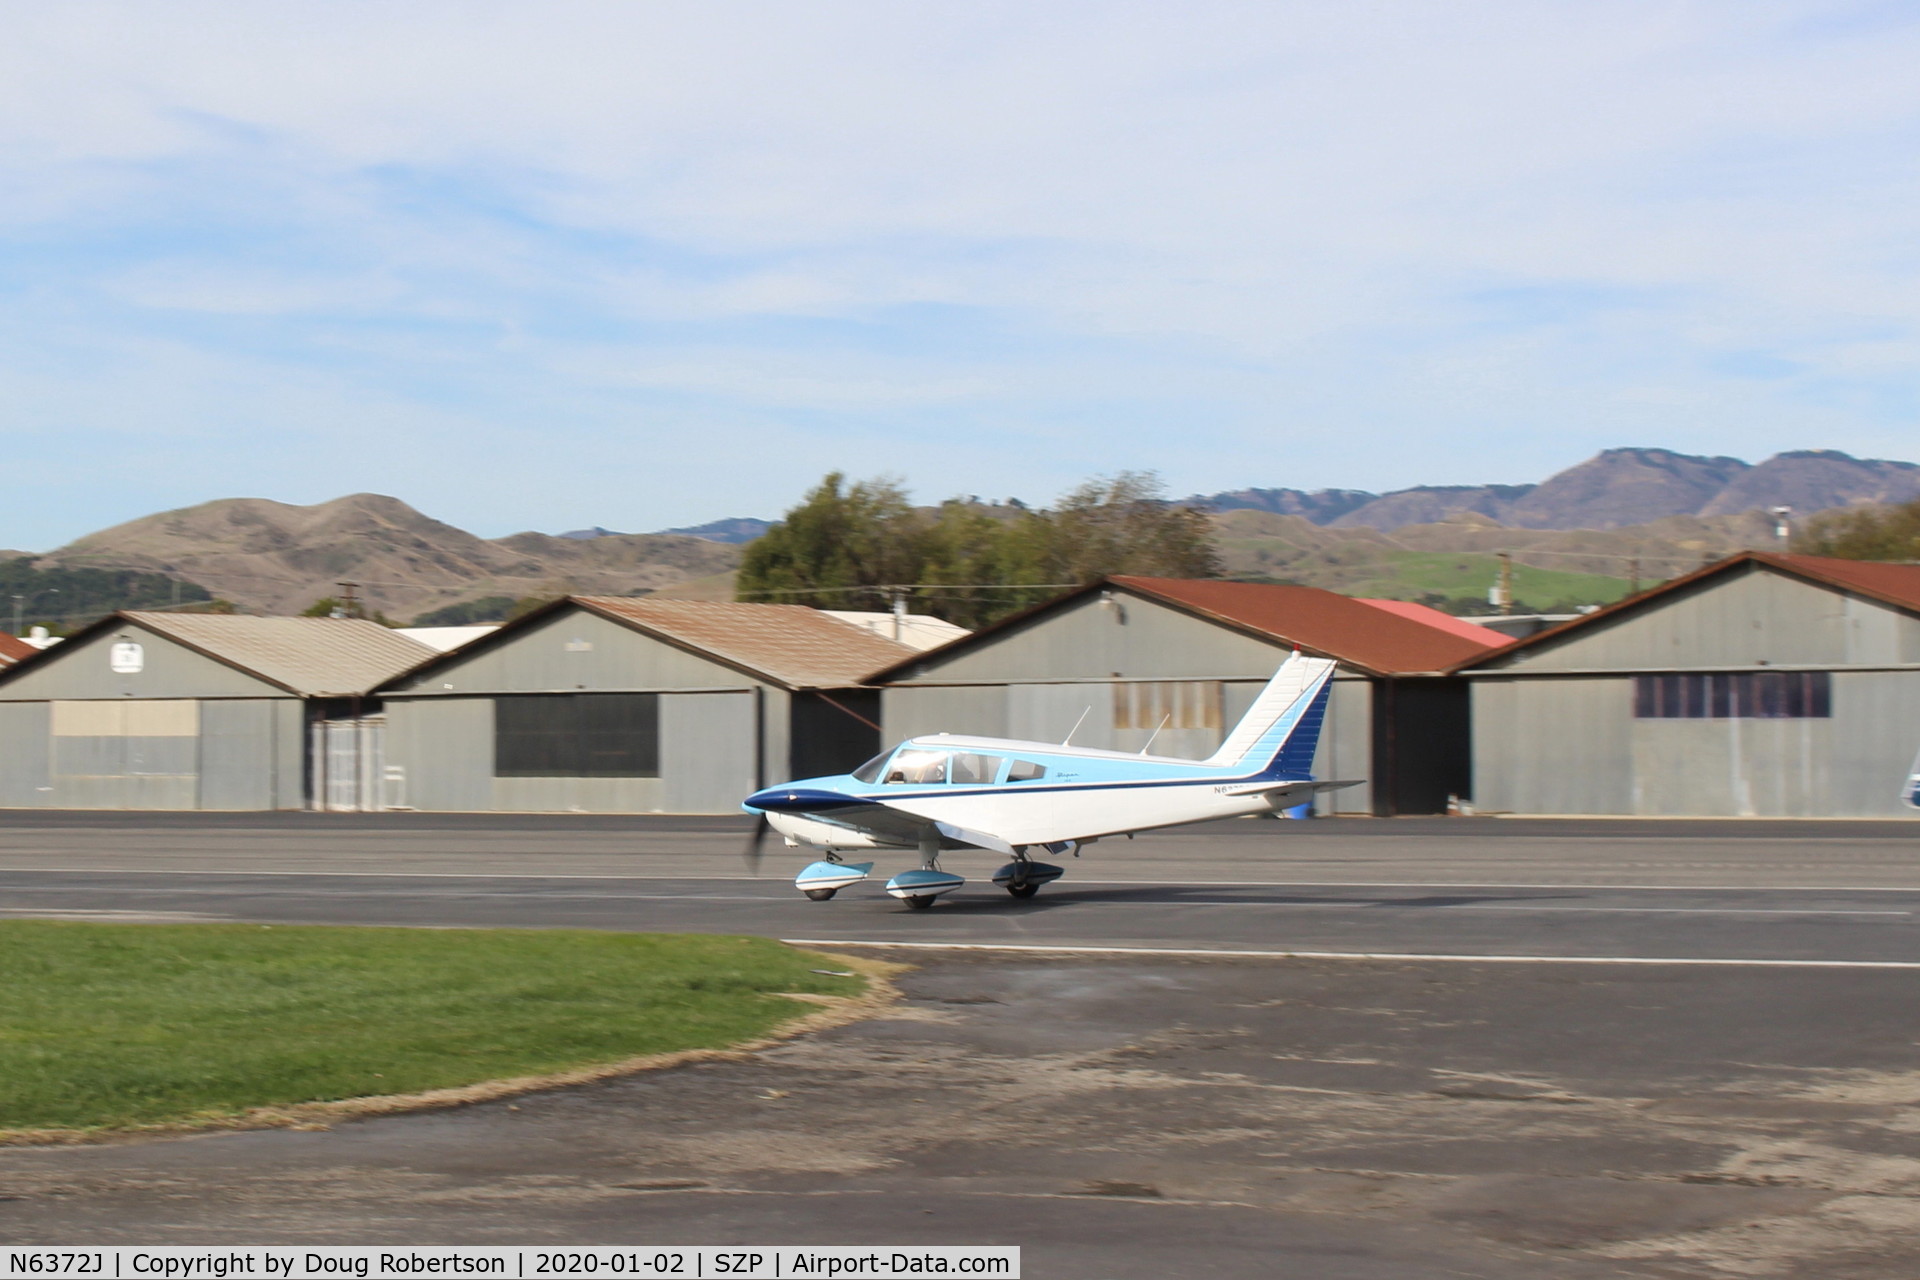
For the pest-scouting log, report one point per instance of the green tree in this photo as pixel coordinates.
(1865, 533)
(1122, 524)
(970, 564)
(473, 612)
(326, 606)
(838, 544)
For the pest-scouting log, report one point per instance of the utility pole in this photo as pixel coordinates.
(349, 600)
(1633, 576)
(899, 595)
(1501, 597)
(1782, 524)
(17, 600)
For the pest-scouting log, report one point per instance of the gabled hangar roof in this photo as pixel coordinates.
(790, 645)
(13, 649)
(1888, 583)
(310, 657)
(1360, 636)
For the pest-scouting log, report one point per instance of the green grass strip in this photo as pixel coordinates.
(122, 1025)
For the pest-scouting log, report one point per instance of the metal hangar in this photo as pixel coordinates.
(1129, 661)
(193, 711)
(611, 704)
(1760, 686)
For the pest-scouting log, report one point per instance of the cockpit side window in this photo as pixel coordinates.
(870, 771)
(1026, 771)
(918, 767)
(974, 770)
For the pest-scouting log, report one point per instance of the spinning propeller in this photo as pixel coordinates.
(751, 854)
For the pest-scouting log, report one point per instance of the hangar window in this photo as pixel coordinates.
(577, 735)
(1734, 695)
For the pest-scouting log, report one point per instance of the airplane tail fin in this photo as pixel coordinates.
(1280, 731)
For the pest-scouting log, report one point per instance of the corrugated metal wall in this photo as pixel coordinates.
(1128, 639)
(168, 670)
(1553, 744)
(238, 745)
(1748, 619)
(1561, 745)
(443, 748)
(440, 733)
(441, 753)
(26, 774)
(1571, 746)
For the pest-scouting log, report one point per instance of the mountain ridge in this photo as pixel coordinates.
(1613, 489)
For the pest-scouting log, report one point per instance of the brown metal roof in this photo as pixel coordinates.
(1341, 627)
(789, 644)
(12, 649)
(1894, 584)
(1897, 584)
(313, 657)
(1357, 634)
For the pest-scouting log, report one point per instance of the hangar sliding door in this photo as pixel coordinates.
(141, 754)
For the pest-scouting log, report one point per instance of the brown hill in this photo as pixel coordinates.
(273, 557)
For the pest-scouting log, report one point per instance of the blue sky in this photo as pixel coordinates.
(641, 265)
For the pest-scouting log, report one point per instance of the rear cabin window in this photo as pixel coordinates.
(1026, 771)
(974, 770)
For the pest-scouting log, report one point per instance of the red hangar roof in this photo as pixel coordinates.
(1359, 635)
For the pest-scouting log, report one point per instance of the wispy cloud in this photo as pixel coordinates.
(643, 265)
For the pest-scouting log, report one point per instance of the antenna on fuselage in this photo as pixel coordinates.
(1156, 732)
(1068, 740)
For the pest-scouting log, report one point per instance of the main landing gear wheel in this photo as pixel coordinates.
(919, 901)
(1023, 890)
(820, 895)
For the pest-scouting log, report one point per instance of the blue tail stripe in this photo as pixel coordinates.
(1295, 757)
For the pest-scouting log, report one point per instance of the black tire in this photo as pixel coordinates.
(919, 901)
(1023, 890)
(820, 895)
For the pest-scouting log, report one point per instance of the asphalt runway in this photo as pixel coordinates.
(1826, 892)
(1721, 1084)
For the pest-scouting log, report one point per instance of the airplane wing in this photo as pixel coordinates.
(1286, 794)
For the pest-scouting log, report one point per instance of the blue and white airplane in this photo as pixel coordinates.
(1911, 791)
(1014, 798)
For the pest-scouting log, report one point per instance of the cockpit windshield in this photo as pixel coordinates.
(870, 771)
